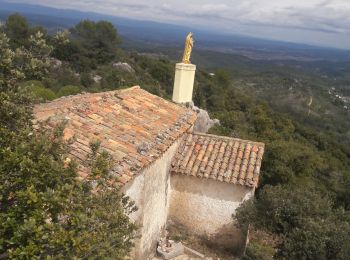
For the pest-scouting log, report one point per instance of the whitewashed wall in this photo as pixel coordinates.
(150, 192)
(205, 207)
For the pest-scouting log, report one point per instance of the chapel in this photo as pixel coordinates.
(173, 173)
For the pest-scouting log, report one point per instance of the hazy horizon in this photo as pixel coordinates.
(315, 22)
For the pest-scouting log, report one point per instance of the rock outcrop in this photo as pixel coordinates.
(203, 122)
(124, 67)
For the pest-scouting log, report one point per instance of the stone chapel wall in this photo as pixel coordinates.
(205, 207)
(150, 191)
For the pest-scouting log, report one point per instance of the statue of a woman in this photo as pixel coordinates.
(188, 49)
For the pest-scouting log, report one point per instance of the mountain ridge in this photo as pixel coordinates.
(146, 30)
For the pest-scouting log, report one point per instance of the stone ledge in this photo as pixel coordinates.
(184, 66)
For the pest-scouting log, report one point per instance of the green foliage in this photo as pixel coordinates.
(101, 35)
(163, 72)
(55, 214)
(45, 211)
(222, 78)
(39, 91)
(68, 90)
(293, 152)
(153, 89)
(306, 219)
(86, 79)
(274, 211)
(16, 66)
(60, 77)
(42, 93)
(212, 90)
(155, 73)
(296, 158)
(17, 29)
(285, 160)
(114, 79)
(327, 239)
(256, 251)
(91, 44)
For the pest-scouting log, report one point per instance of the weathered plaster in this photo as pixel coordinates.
(205, 207)
(134, 190)
(150, 191)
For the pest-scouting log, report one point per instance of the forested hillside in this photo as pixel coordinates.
(303, 199)
(315, 93)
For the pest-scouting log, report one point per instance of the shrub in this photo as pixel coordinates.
(39, 91)
(68, 90)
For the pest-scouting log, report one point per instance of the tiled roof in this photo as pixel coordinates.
(134, 126)
(219, 158)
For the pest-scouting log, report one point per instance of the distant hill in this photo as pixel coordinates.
(149, 32)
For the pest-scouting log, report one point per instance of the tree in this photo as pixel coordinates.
(91, 44)
(15, 66)
(306, 221)
(17, 29)
(45, 211)
(163, 72)
(287, 160)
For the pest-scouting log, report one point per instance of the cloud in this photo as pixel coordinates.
(323, 16)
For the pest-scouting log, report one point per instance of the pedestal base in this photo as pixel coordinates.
(183, 83)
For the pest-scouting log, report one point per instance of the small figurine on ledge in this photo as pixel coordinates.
(167, 248)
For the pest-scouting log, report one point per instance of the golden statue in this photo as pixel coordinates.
(188, 49)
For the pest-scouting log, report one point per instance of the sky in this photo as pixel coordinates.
(318, 22)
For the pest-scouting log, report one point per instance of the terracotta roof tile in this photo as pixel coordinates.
(134, 126)
(219, 158)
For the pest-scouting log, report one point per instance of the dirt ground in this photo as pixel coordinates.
(201, 244)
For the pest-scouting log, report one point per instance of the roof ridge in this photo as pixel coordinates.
(228, 138)
(91, 94)
(128, 89)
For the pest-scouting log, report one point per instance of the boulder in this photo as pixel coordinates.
(203, 122)
(123, 66)
(97, 78)
(56, 63)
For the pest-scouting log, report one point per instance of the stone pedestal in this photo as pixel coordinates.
(183, 84)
